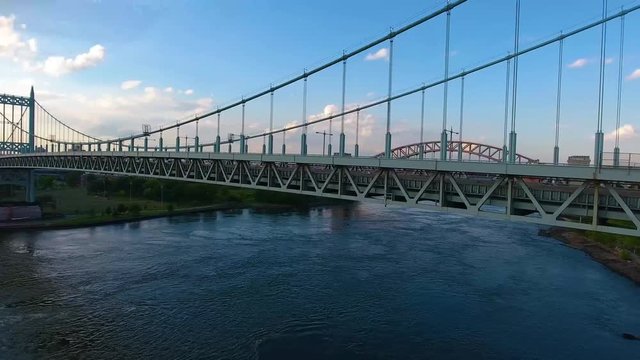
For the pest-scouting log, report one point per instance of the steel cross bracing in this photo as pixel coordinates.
(14, 100)
(534, 193)
(13, 147)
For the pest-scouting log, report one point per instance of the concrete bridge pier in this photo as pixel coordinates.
(23, 178)
(30, 187)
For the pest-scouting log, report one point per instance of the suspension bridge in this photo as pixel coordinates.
(494, 181)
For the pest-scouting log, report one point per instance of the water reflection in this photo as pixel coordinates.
(352, 282)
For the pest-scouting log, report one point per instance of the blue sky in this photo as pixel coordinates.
(106, 67)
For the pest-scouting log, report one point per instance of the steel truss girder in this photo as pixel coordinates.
(14, 100)
(522, 198)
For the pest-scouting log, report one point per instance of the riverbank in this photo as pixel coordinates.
(102, 220)
(609, 257)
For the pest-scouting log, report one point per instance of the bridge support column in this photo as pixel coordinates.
(421, 151)
(120, 145)
(146, 144)
(342, 144)
(99, 147)
(387, 145)
(160, 144)
(242, 147)
(30, 187)
(556, 155)
(177, 143)
(131, 145)
(284, 149)
(329, 149)
(216, 148)
(509, 209)
(444, 145)
(270, 144)
(303, 144)
(32, 120)
(58, 147)
(196, 147)
(356, 151)
(616, 156)
(513, 138)
(598, 148)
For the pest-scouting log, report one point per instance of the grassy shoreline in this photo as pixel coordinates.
(83, 221)
(603, 249)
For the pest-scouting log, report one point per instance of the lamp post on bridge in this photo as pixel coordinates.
(186, 143)
(324, 137)
(231, 138)
(145, 130)
(446, 145)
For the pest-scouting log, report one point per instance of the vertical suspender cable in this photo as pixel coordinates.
(514, 96)
(421, 145)
(344, 89)
(599, 143)
(303, 143)
(387, 141)
(461, 119)
(616, 150)
(443, 139)
(556, 148)
(506, 111)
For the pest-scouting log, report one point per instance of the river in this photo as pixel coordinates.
(343, 282)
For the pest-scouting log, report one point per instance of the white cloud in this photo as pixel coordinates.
(330, 110)
(11, 43)
(33, 45)
(634, 75)
(58, 65)
(608, 60)
(130, 84)
(188, 92)
(291, 124)
(22, 51)
(626, 131)
(382, 54)
(366, 120)
(579, 63)
(168, 89)
(118, 113)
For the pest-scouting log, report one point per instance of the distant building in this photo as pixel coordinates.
(579, 160)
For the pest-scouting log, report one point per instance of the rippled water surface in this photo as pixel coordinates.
(361, 282)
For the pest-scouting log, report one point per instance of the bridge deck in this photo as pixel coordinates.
(538, 193)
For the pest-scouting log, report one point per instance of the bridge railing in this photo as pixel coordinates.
(622, 160)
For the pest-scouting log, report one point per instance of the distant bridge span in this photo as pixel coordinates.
(472, 149)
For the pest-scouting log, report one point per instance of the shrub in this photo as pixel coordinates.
(121, 209)
(625, 255)
(134, 209)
